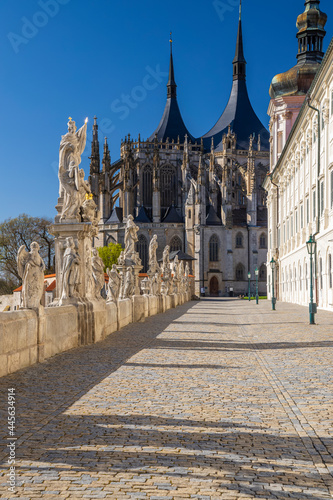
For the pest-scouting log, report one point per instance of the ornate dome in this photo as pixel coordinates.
(311, 33)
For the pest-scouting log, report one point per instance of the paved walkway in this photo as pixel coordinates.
(218, 399)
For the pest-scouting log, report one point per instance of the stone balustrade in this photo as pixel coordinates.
(32, 336)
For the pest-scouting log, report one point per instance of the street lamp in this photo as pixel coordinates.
(311, 246)
(257, 295)
(249, 290)
(273, 263)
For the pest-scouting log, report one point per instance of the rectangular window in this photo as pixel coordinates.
(292, 226)
(284, 232)
(330, 270)
(307, 210)
(288, 230)
(278, 237)
(302, 217)
(332, 189)
(279, 138)
(296, 221)
(322, 204)
(314, 205)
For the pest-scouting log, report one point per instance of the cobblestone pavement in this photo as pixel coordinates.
(218, 399)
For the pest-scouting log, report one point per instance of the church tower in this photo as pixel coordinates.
(288, 90)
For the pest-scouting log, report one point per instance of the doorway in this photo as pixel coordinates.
(214, 287)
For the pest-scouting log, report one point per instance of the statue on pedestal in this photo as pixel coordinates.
(153, 264)
(71, 177)
(131, 238)
(70, 272)
(113, 285)
(129, 284)
(98, 273)
(31, 269)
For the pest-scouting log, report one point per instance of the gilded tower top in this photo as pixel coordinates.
(311, 33)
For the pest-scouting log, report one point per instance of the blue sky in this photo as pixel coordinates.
(64, 58)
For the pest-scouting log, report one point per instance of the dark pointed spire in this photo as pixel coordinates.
(106, 162)
(171, 86)
(239, 63)
(95, 158)
(171, 126)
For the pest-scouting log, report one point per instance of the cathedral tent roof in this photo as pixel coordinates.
(172, 124)
(181, 255)
(212, 219)
(142, 216)
(116, 216)
(239, 113)
(172, 216)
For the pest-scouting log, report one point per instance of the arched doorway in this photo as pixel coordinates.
(214, 287)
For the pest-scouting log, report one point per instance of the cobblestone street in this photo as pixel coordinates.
(217, 399)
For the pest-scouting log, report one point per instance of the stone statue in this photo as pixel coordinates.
(97, 273)
(71, 178)
(166, 262)
(131, 238)
(129, 284)
(146, 286)
(164, 288)
(70, 271)
(113, 285)
(153, 264)
(31, 269)
(155, 284)
(187, 276)
(121, 258)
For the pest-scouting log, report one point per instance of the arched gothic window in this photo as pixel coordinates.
(176, 244)
(142, 248)
(262, 241)
(239, 240)
(168, 186)
(240, 272)
(147, 187)
(214, 249)
(263, 272)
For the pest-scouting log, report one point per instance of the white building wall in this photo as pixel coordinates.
(298, 180)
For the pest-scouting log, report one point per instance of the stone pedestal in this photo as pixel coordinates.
(81, 232)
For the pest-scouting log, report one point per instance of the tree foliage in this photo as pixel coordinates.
(110, 254)
(23, 230)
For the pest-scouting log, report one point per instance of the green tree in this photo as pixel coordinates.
(23, 230)
(110, 254)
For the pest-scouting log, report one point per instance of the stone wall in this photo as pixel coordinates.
(28, 337)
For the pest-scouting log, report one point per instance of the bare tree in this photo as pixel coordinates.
(23, 230)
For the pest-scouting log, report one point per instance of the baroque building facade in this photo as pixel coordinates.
(201, 196)
(300, 184)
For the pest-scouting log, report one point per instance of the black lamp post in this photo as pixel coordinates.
(249, 288)
(273, 263)
(311, 246)
(257, 294)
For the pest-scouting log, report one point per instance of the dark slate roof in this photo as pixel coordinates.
(242, 118)
(142, 216)
(212, 219)
(181, 255)
(172, 216)
(239, 113)
(116, 216)
(171, 125)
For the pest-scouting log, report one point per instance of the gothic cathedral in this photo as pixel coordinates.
(202, 197)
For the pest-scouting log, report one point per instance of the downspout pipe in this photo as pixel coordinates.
(277, 214)
(318, 194)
